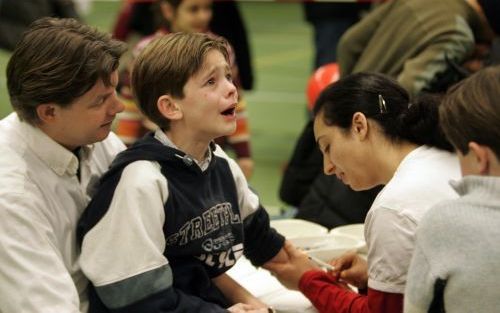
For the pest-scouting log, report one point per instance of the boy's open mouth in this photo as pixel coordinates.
(229, 111)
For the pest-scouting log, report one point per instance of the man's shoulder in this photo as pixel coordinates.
(14, 170)
(8, 127)
(13, 149)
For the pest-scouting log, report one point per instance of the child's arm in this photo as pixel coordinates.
(236, 293)
(280, 257)
(326, 293)
(261, 242)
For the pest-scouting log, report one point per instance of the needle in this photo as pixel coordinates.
(321, 263)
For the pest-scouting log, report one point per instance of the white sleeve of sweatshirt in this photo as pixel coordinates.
(129, 239)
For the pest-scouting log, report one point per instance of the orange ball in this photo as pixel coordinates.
(322, 77)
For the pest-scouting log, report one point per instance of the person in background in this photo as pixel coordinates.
(227, 21)
(414, 41)
(134, 17)
(317, 197)
(16, 17)
(329, 22)
(371, 134)
(187, 16)
(61, 80)
(455, 264)
(181, 208)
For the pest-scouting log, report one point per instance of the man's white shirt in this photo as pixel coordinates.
(42, 196)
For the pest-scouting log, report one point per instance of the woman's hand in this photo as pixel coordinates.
(352, 269)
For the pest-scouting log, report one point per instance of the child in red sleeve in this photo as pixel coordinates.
(370, 134)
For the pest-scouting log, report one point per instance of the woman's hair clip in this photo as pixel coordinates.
(381, 104)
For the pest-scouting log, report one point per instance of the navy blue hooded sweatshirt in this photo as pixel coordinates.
(204, 234)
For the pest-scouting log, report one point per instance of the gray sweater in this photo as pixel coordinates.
(456, 263)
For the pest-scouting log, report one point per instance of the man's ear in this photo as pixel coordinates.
(359, 125)
(169, 108)
(481, 156)
(47, 113)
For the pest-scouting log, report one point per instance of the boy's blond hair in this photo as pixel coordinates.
(165, 66)
(471, 111)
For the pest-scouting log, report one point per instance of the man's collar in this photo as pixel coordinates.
(54, 155)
